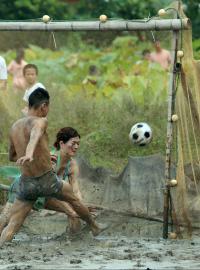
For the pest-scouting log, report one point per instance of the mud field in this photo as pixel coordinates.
(128, 243)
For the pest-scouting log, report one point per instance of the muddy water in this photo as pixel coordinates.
(128, 243)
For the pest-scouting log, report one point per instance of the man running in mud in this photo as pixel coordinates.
(29, 148)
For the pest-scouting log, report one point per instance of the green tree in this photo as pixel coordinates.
(192, 9)
(23, 9)
(129, 9)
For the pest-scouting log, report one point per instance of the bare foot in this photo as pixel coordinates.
(98, 228)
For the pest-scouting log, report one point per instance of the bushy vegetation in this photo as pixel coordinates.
(196, 47)
(103, 106)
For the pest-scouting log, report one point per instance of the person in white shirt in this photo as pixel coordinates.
(30, 73)
(3, 74)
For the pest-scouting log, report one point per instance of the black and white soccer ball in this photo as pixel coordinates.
(140, 134)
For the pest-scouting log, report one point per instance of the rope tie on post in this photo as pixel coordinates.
(126, 25)
(72, 26)
(99, 25)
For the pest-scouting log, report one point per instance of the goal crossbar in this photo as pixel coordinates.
(110, 25)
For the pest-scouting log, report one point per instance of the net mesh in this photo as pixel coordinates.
(186, 134)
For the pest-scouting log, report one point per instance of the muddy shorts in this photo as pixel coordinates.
(46, 185)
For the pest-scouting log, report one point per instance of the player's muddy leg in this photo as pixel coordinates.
(68, 195)
(5, 215)
(19, 212)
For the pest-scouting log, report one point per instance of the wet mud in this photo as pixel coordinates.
(127, 243)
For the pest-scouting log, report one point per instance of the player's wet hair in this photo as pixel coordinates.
(28, 66)
(38, 97)
(65, 134)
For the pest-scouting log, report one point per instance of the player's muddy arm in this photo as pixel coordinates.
(37, 132)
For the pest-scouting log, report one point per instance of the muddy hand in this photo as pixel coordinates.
(23, 159)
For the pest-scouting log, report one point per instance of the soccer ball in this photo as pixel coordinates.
(140, 134)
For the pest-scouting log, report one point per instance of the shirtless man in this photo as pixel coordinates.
(29, 148)
(160, 56)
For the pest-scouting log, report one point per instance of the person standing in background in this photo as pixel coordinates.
(15, 68)
(160, 56)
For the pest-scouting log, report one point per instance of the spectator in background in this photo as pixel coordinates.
(92, 76)
(161, 56)
(3, 74)
(15, 68)
(146, 54)
(30, 73)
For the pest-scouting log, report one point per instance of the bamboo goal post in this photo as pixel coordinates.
(109, 25)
